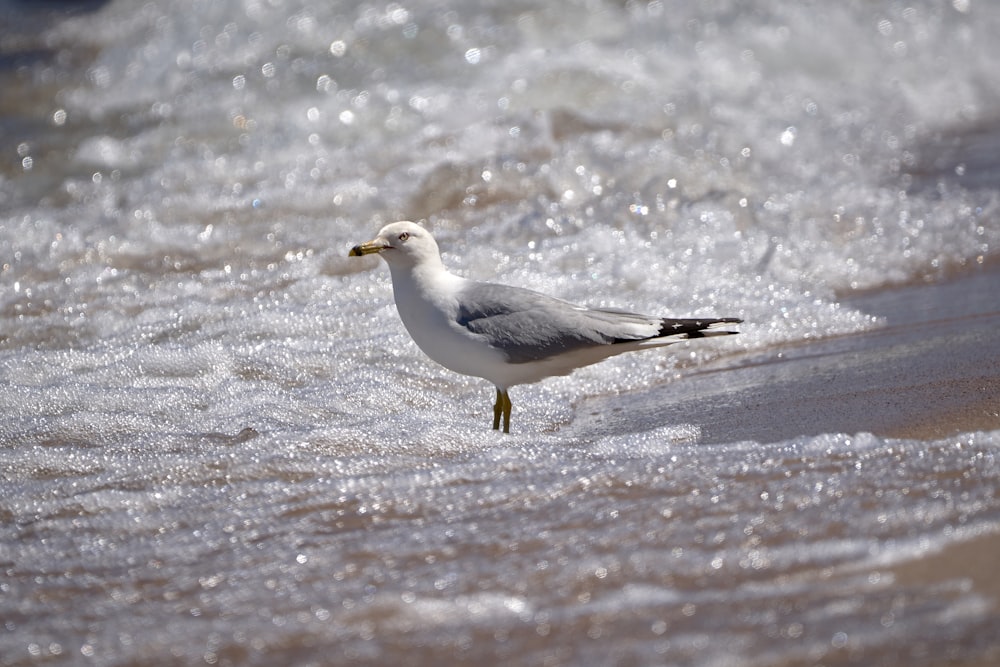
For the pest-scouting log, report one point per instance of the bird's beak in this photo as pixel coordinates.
(367, 248)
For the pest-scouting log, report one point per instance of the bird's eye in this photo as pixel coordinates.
(404, 236)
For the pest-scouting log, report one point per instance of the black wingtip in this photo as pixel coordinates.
(696, 328)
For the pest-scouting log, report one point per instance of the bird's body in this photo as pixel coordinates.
(508, 335)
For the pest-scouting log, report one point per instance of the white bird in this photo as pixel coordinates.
(508, 335)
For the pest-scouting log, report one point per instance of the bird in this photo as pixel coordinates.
(504, 334)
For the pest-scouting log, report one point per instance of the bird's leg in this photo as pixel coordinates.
(506, 412)
(502, 409)
(497, 411)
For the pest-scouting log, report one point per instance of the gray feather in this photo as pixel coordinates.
(528, 326)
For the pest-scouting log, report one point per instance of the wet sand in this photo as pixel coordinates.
(932, 371)
(975, 561)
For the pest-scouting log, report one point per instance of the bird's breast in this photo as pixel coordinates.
(430, 315)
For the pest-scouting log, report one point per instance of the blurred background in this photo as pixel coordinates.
(219, 445)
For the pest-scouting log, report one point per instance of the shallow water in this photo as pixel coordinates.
(217, 443)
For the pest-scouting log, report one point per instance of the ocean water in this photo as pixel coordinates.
(218, 445)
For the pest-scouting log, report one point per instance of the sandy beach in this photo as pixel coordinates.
(931, 372)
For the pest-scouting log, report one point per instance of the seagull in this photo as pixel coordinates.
(509, 335)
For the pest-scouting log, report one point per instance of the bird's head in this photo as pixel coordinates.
(401, 244)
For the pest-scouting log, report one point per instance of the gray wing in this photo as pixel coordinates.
(529, 326)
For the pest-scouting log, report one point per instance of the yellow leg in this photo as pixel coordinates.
(502, 409)
(506, 412)
(497, 411)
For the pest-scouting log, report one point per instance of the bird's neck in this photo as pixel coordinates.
(425, 300)
(421, 280)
